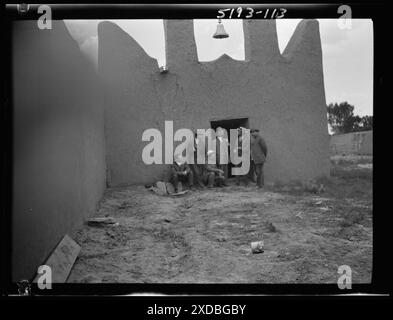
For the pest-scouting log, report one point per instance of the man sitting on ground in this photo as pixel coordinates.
(180, 171)
(211, 173)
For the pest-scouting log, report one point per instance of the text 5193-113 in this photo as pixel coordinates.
(250, 13)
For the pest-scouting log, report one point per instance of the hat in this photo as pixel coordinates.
(219, 131)
(254, 130)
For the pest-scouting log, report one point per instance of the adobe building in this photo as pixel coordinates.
(73, 134)
(280, 94)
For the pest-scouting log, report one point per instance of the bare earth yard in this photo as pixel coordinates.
(205, 235)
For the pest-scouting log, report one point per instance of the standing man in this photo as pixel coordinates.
(197, 168)
(222, 145)
(258, 155)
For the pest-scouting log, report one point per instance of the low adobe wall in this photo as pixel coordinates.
(352, 143)
(59, 145)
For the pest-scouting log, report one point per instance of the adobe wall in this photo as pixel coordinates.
(59, 145)
(282, 95)
(352, 143)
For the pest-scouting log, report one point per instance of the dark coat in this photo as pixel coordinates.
(183, 167)
(219, 145)
(258, 149)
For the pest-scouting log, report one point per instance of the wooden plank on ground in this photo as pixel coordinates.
(101, 221)
(180, 193)
(62, 259)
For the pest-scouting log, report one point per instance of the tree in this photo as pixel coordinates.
(342, 120)
(367, 123)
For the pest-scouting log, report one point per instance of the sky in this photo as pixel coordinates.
(347, 53)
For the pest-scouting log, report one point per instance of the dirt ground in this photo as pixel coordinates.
(205, 235)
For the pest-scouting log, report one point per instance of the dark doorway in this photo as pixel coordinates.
(230, 124)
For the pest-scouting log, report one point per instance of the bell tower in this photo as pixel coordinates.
(180, 47)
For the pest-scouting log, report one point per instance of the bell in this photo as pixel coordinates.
(220, 32)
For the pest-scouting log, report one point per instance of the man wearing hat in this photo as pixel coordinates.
(196, 168)
(258, 155)
(222, 146)
(180, 171)
(212, 174)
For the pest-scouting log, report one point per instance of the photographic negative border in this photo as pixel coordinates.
(374, 11)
